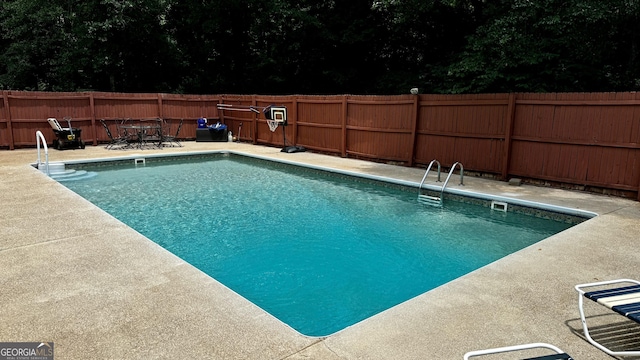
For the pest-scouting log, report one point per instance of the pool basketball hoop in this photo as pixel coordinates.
(273, 124)
(275, 115)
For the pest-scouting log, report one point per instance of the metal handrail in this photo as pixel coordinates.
(40, 137)
(424, 178)
(449, 176)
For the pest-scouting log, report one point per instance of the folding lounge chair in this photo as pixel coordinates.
(557, 356)
(623, 300)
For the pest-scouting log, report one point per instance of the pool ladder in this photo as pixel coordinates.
(40, 139)
(437, 200)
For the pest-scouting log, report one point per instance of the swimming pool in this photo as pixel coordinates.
(318, 251)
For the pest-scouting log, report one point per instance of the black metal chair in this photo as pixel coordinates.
(153, 132)
(172, 140)
(119, 141)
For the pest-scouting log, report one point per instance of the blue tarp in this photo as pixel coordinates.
(217, 127)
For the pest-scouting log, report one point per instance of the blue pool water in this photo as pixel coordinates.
(319, 252)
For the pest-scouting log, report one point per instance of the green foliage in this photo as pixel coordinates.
(68, 45)
(551, 46)
(422, 38)
(320, 47)
(31, 34)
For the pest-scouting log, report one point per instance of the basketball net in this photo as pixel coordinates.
(273, 125)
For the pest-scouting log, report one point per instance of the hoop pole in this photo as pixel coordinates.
(284, 138)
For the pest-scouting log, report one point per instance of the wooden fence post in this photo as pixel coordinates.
(254, 120)
(294, 107)
(511, 115)
(414, 128)
(7, 114)
(345, 105)
(92, 109)
(160, 112)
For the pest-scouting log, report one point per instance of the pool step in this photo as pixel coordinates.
(430, 200)
(71, 174)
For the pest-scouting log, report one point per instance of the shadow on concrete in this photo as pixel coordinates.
(610, 330)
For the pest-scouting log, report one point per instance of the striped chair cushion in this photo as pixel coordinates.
(624, 300)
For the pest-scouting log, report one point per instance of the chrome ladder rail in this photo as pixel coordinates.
(435, 200)
(446, 181)
(427, 199)
(39, 138)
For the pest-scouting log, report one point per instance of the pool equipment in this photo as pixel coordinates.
(40, 138)
(68, 138)
(274, 114)
(437, 200)
(278, 115)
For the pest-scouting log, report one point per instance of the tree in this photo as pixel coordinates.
(67, 45)
(124, 46)
(320, 46)
(551, 45)
(422, 39)
(35, 51)
(276, 46)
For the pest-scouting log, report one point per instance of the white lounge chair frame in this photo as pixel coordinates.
(55, 125)
(632, 297)
(559, 352)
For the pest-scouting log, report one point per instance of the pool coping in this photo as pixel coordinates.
(496, 300)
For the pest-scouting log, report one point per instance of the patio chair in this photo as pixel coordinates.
(120, 140)
(172, 140)
(151, 131)
(623, 300)
(557, 356)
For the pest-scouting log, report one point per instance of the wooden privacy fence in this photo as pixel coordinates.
(22, 113)
(588, 140)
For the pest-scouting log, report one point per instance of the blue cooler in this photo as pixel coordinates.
(202, 123)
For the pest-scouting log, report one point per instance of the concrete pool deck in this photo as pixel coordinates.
(74, 275)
